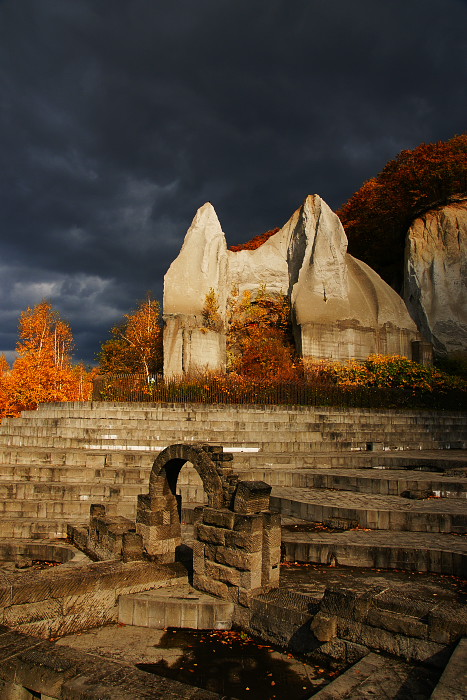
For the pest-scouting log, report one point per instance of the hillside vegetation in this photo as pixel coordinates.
(378, 216)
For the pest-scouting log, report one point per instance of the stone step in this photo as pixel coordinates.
(78, 491)
(177, 606)
(434, 460)
(215, 421)
(453, 683)
(37, 528)
(108, 409)
(440, 461)
(376, 549)
(70, 427)
(61, 509)
(73, 475)
(412, 484)
(346, 509)
(298, 446)
(377, 676)
(86, 459)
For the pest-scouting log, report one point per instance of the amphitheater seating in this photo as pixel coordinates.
(399, 473)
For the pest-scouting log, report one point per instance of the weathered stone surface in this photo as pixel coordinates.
(341, 308)
(200, 266)
(435, 282)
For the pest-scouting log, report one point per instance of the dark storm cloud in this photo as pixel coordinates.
(119, 119)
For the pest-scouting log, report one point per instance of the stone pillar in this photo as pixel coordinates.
(237, 551)
(422, 352)
(158, 522)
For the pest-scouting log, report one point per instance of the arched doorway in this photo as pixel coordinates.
(158, 517)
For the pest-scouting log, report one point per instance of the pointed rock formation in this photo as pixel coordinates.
(435, 281)
(341, 308)
(200, 266)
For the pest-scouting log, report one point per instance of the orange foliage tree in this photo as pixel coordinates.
(136, 344)
(43, 370)
(378, 216)
(259, 338)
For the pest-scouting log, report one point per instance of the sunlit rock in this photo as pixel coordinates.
(435, 284)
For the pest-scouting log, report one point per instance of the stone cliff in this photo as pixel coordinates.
(435, 280)
(341, 308)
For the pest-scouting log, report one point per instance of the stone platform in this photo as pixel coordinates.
(178, 606)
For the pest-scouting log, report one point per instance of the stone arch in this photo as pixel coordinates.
(167, 467)
(157, 517)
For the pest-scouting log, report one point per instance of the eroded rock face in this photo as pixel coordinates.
(200, 266)
(435, 281)
(341, 308)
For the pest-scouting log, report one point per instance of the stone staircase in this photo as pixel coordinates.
(346, 467)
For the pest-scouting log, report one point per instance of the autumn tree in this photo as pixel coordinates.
(136, 342)
(212, 320)
(43, 370)
(259, 339)
(378, 216)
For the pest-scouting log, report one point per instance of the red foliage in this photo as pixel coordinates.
(378, 216)
(255, 242)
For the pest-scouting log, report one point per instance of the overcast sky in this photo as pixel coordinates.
(119, 118)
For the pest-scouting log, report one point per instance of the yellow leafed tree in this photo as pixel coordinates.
(43, 370)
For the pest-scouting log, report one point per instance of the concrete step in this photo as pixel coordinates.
(346, 509)
(375, 549)
(377, 676)
(409, 483)
(213, 421)
(57, 509)
(108, 409)
(453, 683)
(440, 461)
(79, 491)
(177, 606)
(355, 442)
(72, 475)
(86, 459)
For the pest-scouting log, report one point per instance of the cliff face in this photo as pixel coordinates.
(341, 308)
(435, 280)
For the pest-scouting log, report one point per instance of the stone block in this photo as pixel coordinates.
(447, 623)
(251, 579)
(204, 583)
(244, 540)
(252, 497)
(218, 517)
(239, 559)
(226, 574)
(132, 546)
(209, 534)
(396, 623)
(324, 627)
(248, 523)
(347, 602)
(409, 648)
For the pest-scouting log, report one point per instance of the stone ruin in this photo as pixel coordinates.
(237, 539)
(341, 308)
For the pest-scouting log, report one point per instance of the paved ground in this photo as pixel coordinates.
(229, 663)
